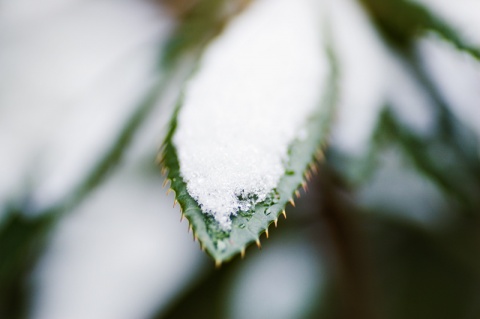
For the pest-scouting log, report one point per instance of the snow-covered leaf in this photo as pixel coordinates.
(250, 122)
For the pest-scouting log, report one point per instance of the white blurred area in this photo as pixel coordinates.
(285, 281)
(457, 77)
(462, 15)
(396, 180)
(122, 254)
(71, 74)
(372, 75)
(362, 60)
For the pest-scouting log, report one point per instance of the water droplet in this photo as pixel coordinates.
(267, 211)
(242, 226)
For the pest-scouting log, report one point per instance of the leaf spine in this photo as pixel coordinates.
(165, 182)
(292, 202)
(160, 158)
(308, 175)
(305, 186)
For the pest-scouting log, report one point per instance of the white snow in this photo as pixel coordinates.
(462, 15)
(363, 77)
(256, 85)
(407, 99)
(71, 74)
(116, 255)
(456, 75)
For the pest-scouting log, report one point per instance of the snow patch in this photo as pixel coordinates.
(456, 75)
(462, 15)
(256, 86)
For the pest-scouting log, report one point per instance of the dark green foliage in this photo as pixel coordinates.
(22, 240)
(404, 20)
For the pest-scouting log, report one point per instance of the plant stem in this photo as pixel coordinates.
(343, 245)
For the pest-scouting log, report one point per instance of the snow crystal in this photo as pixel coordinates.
(256, 86)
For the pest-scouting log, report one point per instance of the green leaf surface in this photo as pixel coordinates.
(404, 20)
(247, 226)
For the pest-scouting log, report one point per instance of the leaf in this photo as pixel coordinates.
(247, 226)
(23, 240)
(458, 184)
(200, 24)
(403, 20)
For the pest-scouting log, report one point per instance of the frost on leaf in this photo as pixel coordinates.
(256, 86)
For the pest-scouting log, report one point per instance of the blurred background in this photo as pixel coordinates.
(388, 229)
